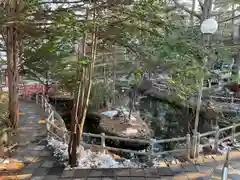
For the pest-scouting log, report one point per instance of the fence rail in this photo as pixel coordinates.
(191, 149)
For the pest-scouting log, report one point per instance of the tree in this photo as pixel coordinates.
(13, 40)
(23, 21)
(151, 31)
(205, 12)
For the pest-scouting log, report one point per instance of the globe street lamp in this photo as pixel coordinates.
(208, 27)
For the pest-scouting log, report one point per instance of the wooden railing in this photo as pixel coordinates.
(196, 138)
(192, 142)
(63, 135)
(230, 99)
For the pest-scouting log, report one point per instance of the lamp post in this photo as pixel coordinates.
(208, 27)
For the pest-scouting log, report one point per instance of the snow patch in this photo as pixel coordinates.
(110, 114)
(130, 131)
(99, 160)
(60, 148)
(113, 113)
(88, 158)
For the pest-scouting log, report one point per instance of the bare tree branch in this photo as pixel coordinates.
(229, 19)
(200, 4)
(181, 6)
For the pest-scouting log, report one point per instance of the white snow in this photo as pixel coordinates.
(60, 148)
(110, 114)
(113, 113)
(5, 89)
(99, 160)
(91, 159)
(88, 158)
(6, 161)
(130, 131)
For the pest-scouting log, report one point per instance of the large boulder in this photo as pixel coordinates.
(118, 123)
(112, 124)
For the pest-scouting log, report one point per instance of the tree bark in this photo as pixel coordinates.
(76, 131)
(90, 76)
(12, 69)
(207, 7)
(236, 56)
(191, 15)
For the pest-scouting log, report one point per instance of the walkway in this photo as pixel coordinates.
(33, 160)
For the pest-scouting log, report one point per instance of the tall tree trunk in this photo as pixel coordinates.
(46, 84)
(12, 68)
(114, 75)
(90, 75)
(78, 100)
(191, 15)
(78, 105)
(236, 56)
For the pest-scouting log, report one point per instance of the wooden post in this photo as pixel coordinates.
(52, 116)
(49, 108)
(151, 152)
(209, 83)
(103, 143)
(233, 133)
(232, 99)
(65, 137)
(36, 98)
(42, 102)
(152, 145)
(194, 144)
(45, 105)
(197, 145)
(216, 139)
(48, 126)
(188, 143)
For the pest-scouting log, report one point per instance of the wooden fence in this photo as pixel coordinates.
(191, 149)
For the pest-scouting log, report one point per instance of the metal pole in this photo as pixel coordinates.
(199, 100)
(225, 167)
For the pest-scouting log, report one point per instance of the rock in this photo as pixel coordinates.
(137, 128)
(209, 148)
(3, 151)
(170, 159)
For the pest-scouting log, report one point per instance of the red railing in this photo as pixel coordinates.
(33, 88)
